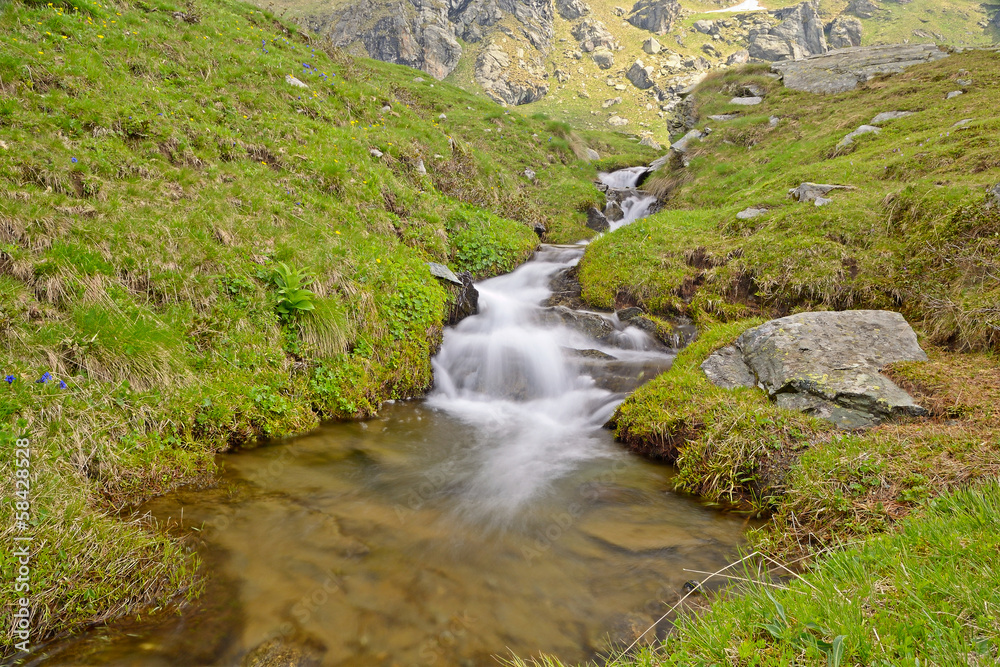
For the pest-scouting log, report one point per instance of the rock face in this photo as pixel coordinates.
(463, 291)
(827, 364)
(799, 34)
(844, 69)
(418, 34)
(844, 32)
(596, 220)
(656, 16)
(494, 69)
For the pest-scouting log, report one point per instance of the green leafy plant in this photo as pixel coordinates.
(293, 297)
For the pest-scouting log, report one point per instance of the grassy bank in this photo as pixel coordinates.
(156, 171)
(913, 231)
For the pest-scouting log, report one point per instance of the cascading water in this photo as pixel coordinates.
(497, 515)
(634, 204)
(515, 372)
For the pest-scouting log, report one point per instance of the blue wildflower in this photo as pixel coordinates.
(62, 384)
(44, 379)
(9, 379)
(73, 160)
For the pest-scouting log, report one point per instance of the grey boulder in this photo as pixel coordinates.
(864, 129)
(827, 364)
(807, 192)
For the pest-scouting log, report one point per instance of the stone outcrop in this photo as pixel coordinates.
(844, 32)
(464, 293)
(572, 9)
(799, 34)
(508, 81)
(656, 16)
(843, 69)
(864, 9)
(592, 35)
(827, 364)
(807, 192)
(604, 58)
(418, 33)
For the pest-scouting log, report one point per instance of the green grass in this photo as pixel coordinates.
(155, 167)
(926, 594)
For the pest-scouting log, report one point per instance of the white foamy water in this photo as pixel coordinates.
(637, 204)
(510, 372)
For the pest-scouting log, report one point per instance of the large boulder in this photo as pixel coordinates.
(844, 69)
(604, 58)
(592, 35)
(572, 9)
(656, 16)
(827, 364)
(640, 75)
(844, 32)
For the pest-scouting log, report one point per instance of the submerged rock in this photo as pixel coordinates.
(827, 364)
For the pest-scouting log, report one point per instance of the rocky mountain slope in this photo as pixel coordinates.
(602, 64)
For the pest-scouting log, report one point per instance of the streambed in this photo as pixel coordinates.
(495, 516)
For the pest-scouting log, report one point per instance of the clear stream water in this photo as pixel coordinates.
(494, 516)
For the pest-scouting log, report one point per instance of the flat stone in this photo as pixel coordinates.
(292, 81)
(681, 144)
(822, 201)
(750, 213)
(723, 117)
(443, 272)
(864, 129)
(886, 116)
(746, 101)
(649, 142)
(953, 94)
(807, 192)
(964, 123)
(819, 362)
(843, 69)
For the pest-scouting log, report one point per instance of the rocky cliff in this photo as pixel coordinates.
(555, 52)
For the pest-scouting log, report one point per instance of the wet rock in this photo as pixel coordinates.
(844, 32)
(864, 129)
(604, 59)
(826, 363)
(539, 229)
(750, 213)
(566, 290)
(651, 46)
(656, 16)
(807, 192)
(280, 652)
(886, 116)
(613, 211)
(466, 297)
(596, 220)
(588, 354)
(591, 325)
(844, 69)
(572, 9)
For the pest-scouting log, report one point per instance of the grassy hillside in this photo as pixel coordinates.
(162, 189)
